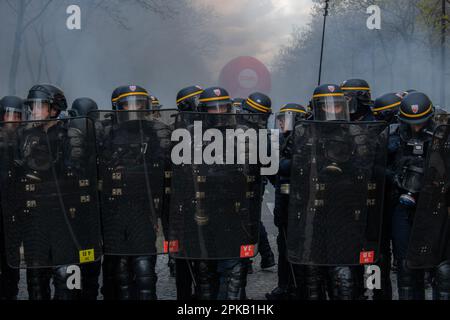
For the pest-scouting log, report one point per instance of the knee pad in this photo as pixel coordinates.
(343, 282)
(237, 280)
(442, 281)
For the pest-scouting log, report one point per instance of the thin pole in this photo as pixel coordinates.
(443, 51)
(323, 39)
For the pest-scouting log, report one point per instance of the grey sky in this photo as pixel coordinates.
(253, 27)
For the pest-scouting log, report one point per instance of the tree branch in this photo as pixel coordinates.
(37, 16)
(11, 6)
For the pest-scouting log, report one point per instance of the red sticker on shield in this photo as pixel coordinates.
(367, 257)
(171, 246)
(248, 251)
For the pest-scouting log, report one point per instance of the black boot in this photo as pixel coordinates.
(9, 283)
(144, 270)
(90, 274)
(411, 284)
(267, 256)
(385, 293)
(206, 280)
(62, 291)
(278, 294)
(124, 279)
(110, 285)
(183, 279)
(172, 267)
(314, 283)
(38, 283)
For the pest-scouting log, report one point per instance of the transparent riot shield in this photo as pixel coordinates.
(215, 205)
(336, 196)
(134, 164)
(429, 239)
(49, 193)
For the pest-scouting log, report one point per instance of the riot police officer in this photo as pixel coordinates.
(127, 276)
(46, 102)
(413, 137)
(82, 106)
(260, 103)
(237, 104)
(220, 279)
(358, 95)
(187, 101)
(155, 103)
(12, 109)
(386, 107)
(329, 104)
(289, 115)
(187, 98)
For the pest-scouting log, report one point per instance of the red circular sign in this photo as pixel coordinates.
(244, 75)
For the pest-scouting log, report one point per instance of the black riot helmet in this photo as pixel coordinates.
(329, 104)
(289, 115)
(358, 95)
(130, 98)
(416, 108)
(405, 93)
(82, 106)
(154, 103)
(237, 104)
(387, 107)
(12, 109)
(215, 100)
(42, 99)
(188, 98)
(257, 103)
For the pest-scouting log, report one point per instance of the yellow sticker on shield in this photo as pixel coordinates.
(87, 256)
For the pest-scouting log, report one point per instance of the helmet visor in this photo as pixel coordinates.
(331, 108)
(217, 107)
(133, 103)
(285, 121)
(14, 115)
(38, 109)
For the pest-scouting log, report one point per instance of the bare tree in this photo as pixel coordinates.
(22, 25)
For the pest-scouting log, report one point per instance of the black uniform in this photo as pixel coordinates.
(407, 169)
(126, 145)
(90, 273)
(187, 101)
(11, 109)
(260, 103)
(211, 228)
(286, 119)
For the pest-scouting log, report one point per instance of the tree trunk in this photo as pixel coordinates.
(16, 48)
